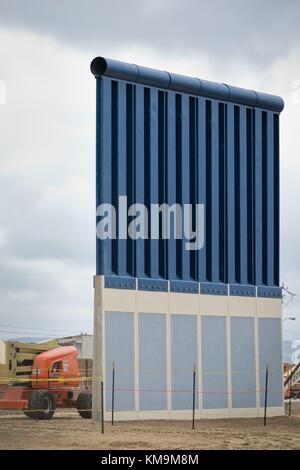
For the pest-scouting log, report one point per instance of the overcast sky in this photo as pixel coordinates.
(47, 138)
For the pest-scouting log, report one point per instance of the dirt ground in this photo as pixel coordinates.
(67, 431)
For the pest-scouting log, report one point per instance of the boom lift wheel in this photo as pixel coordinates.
(84, 405)
(41, 405)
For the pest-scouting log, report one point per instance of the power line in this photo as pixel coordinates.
(22, 317)
(40, 334)
(19, 271)
(289, 292)
(33, 328)
(29, 334)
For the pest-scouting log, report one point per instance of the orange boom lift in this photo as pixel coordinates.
(38, 378)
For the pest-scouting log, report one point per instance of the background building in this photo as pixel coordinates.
(83, 343)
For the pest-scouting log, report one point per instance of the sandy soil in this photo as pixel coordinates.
(67, 431)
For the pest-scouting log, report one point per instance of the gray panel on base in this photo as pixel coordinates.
(243, 362)
(214, 362)
(183, 358)
(119, 348)
(152, 362)
(270, 352)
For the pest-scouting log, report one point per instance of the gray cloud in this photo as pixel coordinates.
(47, 186)
(232, 30)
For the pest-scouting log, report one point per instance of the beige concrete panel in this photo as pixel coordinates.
(242, 306)
(187, 415)
(184, 415)
(244, 413)
(153, 415)
(268, 307)
(215, 414)
(121, 416)
(213, 304)
(98, 349)
(120, 300)
(184, 303)
(272, 411)
(152, 302)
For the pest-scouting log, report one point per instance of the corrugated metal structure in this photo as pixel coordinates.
(165, 138)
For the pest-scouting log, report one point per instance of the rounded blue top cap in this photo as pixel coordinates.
(101, 66)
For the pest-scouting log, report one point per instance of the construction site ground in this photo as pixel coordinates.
(68, 431)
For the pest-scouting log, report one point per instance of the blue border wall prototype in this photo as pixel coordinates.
(167, 318)
(167, 138)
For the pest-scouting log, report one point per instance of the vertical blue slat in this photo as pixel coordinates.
(276, 200)
(185, 181)
(193, 176)
(215, 273)
(99, 184)
(122, 169)
(264, 198)
(114, 170)
(202, 181)
(258, 195)
(243, 198)
(250, 194)
(154, 253)
(130, 170)
(230, 196)
(208, 187)
(162, 176)
(270, 201)
(237, 193)
(171, 180)
(222, 193)
(139, 175)
(103, 167)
